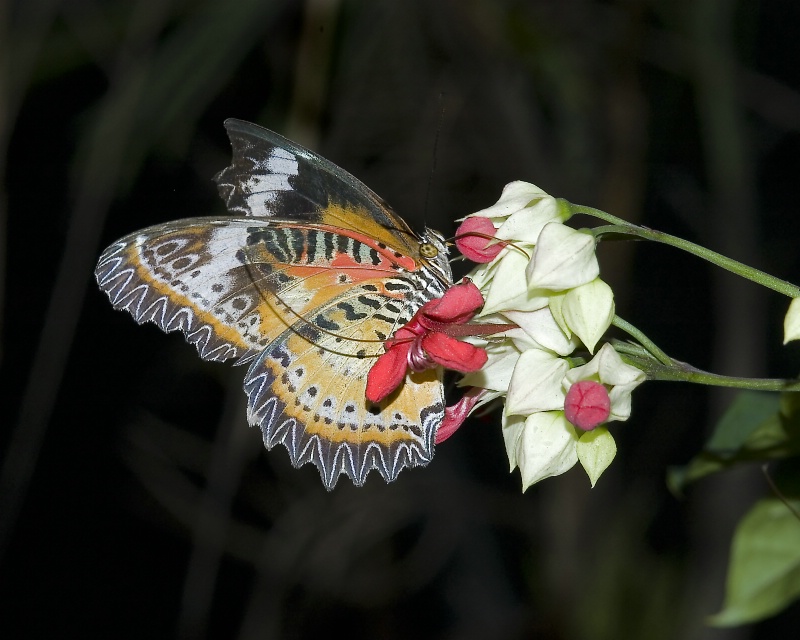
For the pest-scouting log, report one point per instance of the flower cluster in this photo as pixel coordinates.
(543, 277)
(513, 327)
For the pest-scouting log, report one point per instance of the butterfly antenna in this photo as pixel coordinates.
(435, 154)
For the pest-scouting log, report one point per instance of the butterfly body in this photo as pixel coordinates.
(305, 282)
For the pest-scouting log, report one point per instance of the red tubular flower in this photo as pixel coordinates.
(474, 240)
(587, 404)
(455, 415)
(429, 340)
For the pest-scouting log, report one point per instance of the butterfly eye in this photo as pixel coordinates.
(427, 250)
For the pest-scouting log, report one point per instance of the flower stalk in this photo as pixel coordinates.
(623, 227)
(678, 371)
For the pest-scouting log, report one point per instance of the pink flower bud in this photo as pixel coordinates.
(473, 238)
(587, 404)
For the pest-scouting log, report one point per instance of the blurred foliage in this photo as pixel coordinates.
(757, 427)
(764, 574)
(134, 501)
(764, 570)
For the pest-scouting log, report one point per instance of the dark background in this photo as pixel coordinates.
(134, 500)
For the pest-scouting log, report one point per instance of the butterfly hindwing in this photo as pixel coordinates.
(307, 391)
(186, 276)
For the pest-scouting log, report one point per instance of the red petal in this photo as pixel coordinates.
(455, 415)
(458, 305)
(452, 353)
(387, 373)
(473, 238)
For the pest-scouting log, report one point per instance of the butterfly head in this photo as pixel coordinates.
(433, 254)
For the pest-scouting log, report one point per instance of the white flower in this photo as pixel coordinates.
(519, 216)
(542, 445)
(512, 432)
(540, 329)
(536, 384)
(545, 280)
(538, 208)
(563, 258)
(505, 286)
(791, 324)
(496, 374)
(539, 439)
(588, 310)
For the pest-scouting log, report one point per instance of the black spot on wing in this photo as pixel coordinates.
(369, 302)
(342, 244)
(298, 242)
(326, 323)
(311, 246)
(357, 246)
(350, 313)
(329, 249)
(281, 355)
(396, 286)
(282, 242)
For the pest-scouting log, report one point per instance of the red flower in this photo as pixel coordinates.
(473, 240)
(429, 340)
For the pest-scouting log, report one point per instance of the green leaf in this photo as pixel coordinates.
(756, 427)
(745, 415)
(764, 569)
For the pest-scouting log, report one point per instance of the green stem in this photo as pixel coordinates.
(683, 372)
(620, 226)
(648, 344)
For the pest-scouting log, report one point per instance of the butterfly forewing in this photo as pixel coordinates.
(271, 176)
(308, 280)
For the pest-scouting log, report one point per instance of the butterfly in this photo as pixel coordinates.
(304, 281)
